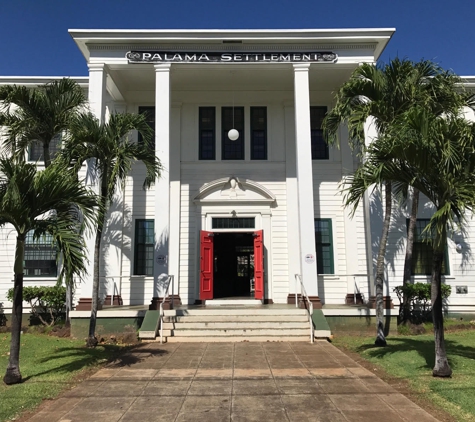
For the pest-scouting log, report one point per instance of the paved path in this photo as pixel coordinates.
(233, 382)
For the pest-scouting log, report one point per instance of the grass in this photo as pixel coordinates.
(48, 366)
(412, 358)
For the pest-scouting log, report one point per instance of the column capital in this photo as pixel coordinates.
(96, 66)
(162, 67)
(301, 67)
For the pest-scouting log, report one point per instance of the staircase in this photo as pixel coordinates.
(221, 323)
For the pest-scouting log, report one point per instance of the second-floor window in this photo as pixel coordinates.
(232, 150)
(35, 150)
(207, 133)
(319, 146)
(258, 133)
(149, 112)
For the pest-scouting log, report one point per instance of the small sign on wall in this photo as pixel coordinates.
(161, 259)
(309, 258)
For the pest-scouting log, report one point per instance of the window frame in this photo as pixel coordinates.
(225, 130)
(313, 134)
(42, 246)
(319, 246)
(253, 124)
(151, 123)
(143, 271)
(201, 129)
(428, 245)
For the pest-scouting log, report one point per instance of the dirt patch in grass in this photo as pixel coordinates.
(401, 386)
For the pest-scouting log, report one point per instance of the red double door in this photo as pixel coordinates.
(207, 265)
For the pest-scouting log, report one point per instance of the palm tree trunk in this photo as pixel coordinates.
(405, 311)
(13, 375)
(441, 367)
(92, 340)
(46, 154)
(69, 302)
(379, 280)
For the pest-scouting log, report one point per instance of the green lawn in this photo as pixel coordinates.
(412, 358)
(48, 365)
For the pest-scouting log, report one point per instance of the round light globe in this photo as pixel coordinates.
(233, 134)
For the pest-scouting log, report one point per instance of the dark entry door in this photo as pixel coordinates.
(259, 264)
(206, 265)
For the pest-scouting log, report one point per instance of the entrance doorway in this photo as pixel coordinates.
(232, 265)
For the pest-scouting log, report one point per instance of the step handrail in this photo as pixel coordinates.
(303, 292)
(170, 280)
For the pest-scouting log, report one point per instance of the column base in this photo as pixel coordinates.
(302, 303)
(351, 300)
(268, 302)
(155, 303)
(85, 304)
(116, 301)
(387, 302)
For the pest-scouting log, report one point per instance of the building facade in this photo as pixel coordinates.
(247, 217)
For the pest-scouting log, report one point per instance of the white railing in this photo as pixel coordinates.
(303, 294)
(169, 281)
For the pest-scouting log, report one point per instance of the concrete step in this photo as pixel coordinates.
(235, 311)
(237, 318)
(266, 332)
(229, 339)
(236, 325)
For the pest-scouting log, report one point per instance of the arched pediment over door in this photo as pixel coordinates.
(233, 190)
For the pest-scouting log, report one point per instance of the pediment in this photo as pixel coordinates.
(234, 190)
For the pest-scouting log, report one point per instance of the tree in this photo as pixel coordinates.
(383, 93)
(40, 115)
(110, 153)
(436, 155)
(45, 202)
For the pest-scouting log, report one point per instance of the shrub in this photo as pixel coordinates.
(48, 303)
(418, 300)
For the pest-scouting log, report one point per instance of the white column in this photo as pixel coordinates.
(162, 187)
(304, 179)
(175, 196)
(96, 98)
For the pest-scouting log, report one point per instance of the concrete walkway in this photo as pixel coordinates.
(233, 382)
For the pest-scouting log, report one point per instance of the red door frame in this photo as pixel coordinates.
(206, 265)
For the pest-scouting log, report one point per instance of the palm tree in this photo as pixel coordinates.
(45, 202)
(383, 93)
(111, 154)
(40, 115)
(435, 155)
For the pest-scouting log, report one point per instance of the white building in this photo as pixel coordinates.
(239, 218)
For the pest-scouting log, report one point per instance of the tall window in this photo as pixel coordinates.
(319, 146)
(324, 245)
(35, 151)
(40, 256)
(422, 251)
(149, 112)
(144, 247)
(258, 133)
(232, 150)
(207, 128)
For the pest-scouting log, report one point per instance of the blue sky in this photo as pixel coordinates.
(34, 38)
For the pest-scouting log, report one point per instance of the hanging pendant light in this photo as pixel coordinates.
(233, 134)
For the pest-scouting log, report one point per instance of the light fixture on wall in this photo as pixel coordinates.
(458, 247)
(233, 134)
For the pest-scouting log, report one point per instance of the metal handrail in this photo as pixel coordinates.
(162, 313)
(303, 293)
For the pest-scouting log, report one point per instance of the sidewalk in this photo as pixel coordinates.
(233, 382)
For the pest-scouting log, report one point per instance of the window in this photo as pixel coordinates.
(258, 133)
(207, 128)
(144, 247)
(233, 223)
(35, 151)
(40, 256)
(324, 245)
(149, 113)
(232, 150)
(319, 146)
(423, 251)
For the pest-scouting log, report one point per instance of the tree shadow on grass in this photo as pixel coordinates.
(424, 347)
(83, 357)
